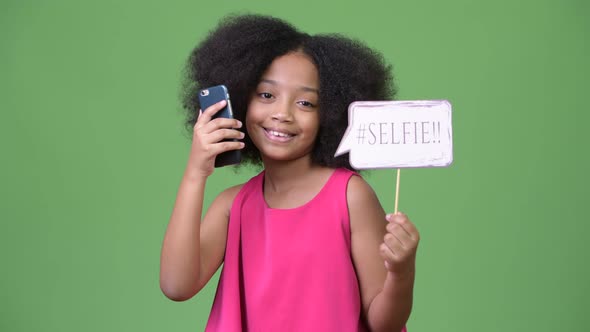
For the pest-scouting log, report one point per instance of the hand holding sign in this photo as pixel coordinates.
(398, 134)
(399, 244)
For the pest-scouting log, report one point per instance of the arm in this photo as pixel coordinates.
(193, 250)
(384, 257)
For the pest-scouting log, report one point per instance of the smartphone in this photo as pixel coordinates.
(208, 97)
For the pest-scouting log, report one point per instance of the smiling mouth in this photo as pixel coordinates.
(278, 136)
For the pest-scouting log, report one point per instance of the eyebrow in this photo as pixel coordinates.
(303, 88)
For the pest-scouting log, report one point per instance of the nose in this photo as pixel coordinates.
(282, 113)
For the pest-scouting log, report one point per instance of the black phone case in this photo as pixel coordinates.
(208, 97)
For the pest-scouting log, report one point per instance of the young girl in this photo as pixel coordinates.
(306, 245)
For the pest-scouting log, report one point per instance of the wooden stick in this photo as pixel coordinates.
(396, 191)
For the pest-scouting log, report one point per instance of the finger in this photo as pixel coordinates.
(387, 255)
(395, 227)
(387, 265)
(222, 147)
(391, 217)
(394, 245)
(400, 234)
(403, 220)
(208, 113)
(218, 123)
(221, 134)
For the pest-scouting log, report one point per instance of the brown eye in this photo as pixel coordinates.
(306, 103)
(265, 95)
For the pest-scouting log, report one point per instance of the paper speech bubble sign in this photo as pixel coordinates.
(398, 134)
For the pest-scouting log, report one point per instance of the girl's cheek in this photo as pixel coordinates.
(248, 130)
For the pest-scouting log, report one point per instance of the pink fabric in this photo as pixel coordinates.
(288, 269)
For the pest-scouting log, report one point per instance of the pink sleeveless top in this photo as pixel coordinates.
(288, 269)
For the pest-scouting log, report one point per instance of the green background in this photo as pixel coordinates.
(93, 150)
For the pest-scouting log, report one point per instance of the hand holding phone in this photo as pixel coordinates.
(208, 97)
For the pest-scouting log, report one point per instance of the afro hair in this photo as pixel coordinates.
(240, 49)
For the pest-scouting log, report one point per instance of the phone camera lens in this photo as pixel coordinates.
(204, 92)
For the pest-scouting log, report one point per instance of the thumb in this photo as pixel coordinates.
(389, 217)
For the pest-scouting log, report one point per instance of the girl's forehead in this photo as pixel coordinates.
(295, 70)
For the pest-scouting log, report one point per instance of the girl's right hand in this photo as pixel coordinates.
(207, 139)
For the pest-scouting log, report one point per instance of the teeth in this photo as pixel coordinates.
(279, 134)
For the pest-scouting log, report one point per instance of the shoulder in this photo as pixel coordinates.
(359, 192)
(364, 208)
(220, 208)
(226, 197)
(231, 192)
(221, 205)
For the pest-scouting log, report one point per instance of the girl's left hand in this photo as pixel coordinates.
(399, 245)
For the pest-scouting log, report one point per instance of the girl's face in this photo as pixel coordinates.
(283, 116)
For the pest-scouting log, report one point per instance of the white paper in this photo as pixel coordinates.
(398, 134)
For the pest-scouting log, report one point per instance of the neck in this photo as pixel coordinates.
(284, 175)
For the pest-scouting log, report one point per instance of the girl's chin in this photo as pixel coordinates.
(271, 155)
